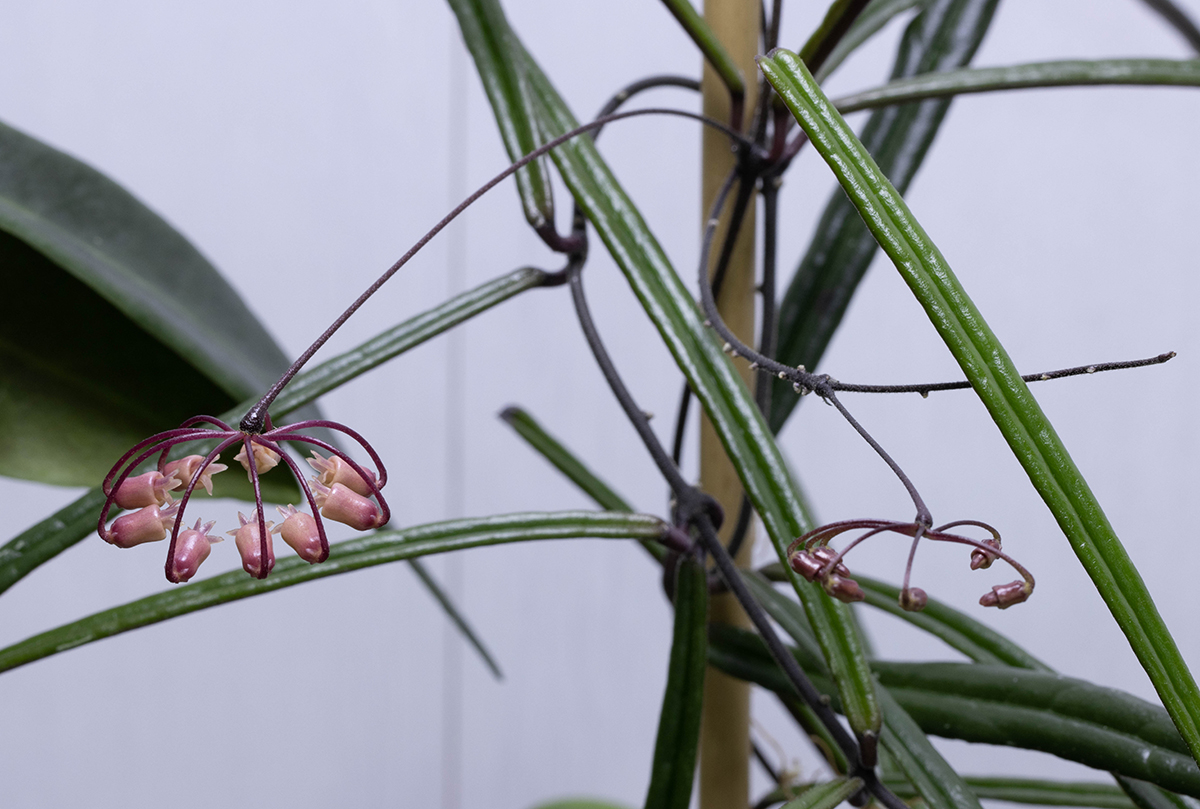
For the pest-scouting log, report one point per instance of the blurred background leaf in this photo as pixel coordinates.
(115, 326)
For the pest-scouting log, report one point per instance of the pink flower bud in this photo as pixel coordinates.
(347, 507)
(1005, 595)
(913, 599)
(148, 525)
(185, 470)
(191, 548)
(806, 565)
(265, 459)
(149, 489)
(981, 559)
(250, 546)
(825, 555)
(299, 531)
(843, 589)
(333, 470)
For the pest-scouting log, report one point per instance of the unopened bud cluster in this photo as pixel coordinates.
(815, 561)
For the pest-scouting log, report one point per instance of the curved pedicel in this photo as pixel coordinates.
(271, 440)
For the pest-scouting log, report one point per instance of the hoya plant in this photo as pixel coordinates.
(692, 423)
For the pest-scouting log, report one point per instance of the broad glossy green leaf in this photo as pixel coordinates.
(1067, 73)
(827, 795)
(709, 44)
(675, 749)
(1072, 719)
(877, 14)
(943, 36)
(42, 542)
(1042, 792)
(999, 386)
(456, 616)
(374, 549)
(488, 38)
(115, 326)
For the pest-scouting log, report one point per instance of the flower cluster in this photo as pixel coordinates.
(341, 490)
(812, 558)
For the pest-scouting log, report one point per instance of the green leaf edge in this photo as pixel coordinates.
(41, 542)
(999, 385)
(344, 557)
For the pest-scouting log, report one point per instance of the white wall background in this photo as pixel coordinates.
(304, 146)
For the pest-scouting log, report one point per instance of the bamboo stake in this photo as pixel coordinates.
(725, 726)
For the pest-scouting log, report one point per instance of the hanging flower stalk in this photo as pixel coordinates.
(342, 490)
(813, 558)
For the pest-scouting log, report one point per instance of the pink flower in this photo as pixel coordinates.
(265, 459)
(149, 489)
(191, 549)
(302, 534)
(347, 507)
(185, 470)
(251, 545)
(148, 525)
(333, 470)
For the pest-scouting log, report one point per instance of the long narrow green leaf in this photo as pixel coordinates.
(456, 616)
(975, 640)
(574, 469)
(1072, 719)
(709, 44)
(729, 406)
(837, 22)
(375, 549)
(999, 385)
(563, 459)
(876, 15)
(1067, 73)
(674, 766)
(42, 542)
(983, 645)
(827, 795)
(1037, 791)
(488, 36)
(935, 779)
(945, 35)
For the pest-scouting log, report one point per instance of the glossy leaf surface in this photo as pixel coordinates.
(999, 386)
(489, 39)
(1069, 73)
(344, 557)
(943, 36)
(678, 740)
(107, 307)
(728, 404)
(42, 542)
(1069, 718)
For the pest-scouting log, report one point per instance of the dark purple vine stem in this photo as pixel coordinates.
(255, 418)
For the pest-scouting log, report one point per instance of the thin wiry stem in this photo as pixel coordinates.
(1178, 19)
(255, 418)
